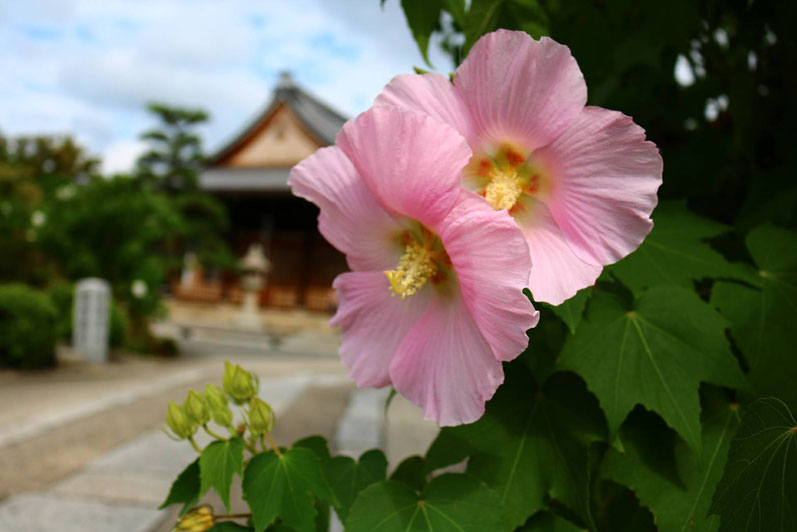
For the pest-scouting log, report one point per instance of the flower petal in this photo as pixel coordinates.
(556, 272)
(410, 161)
(491, 259)
(373, 323)
(445, 366)
(351, 217)
(516, 87)
(432, 94)
(604, 181)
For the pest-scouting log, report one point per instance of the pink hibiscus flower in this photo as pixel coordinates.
(580, 181)
(435, 302)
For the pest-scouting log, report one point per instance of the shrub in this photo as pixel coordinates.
(28, 327)
(118, 325)
(62, 294)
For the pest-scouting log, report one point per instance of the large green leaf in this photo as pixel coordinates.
(218, 463)
(449, 502)
(762, 319)
(229, 526)
(758, 491)
(675, 252)
(484, 16)
(678, 497)
(655, 353)
(547, 522)
(348, 477)
(423, 16)
(572, 310)
(531, 445)
(185, 488)
(285, 487)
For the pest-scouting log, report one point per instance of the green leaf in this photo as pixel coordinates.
(185, 489)
(531, 445)
(655, 354)
(449, 502)
(218, 463)
(347, 477)
(762, 319)
(758, 491)
(229, 526)
(411, 472)
(317, 444)
(572, 310)
(680, 498)
(548, 522)
(675, 252)
(485, 16)
(423, 16)
(285, 487)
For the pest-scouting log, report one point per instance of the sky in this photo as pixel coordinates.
(88, 67)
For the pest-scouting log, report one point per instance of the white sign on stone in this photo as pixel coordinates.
(90, 319)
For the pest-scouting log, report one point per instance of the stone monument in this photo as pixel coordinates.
(254, 265)
(90, 319)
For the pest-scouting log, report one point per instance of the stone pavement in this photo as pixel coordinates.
(81, 449)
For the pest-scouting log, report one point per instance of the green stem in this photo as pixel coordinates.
(205, 426)
(194, 445)
(273, 444)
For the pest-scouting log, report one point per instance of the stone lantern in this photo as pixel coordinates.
(255, 265)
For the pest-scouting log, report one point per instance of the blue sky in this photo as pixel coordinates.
(87, 67)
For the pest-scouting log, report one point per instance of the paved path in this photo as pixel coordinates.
(82, 451)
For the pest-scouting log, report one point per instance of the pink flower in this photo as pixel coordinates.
(580, 181)
(435, 302)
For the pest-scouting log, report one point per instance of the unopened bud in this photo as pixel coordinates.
(196, 408)
(177, 420)
(197, 520)
(261, 417)
(239, 383)
(219, 409)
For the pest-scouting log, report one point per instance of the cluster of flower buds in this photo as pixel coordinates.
(197, 520)
(199, 409)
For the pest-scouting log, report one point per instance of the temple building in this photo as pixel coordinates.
(250, 175)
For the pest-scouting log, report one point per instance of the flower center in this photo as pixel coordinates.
(424, 260)
(415, 268)
(504, 177)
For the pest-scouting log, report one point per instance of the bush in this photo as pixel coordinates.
(118, 325)
(28, 328)
(62, 294)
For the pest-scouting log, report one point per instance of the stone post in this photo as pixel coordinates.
(90, 319)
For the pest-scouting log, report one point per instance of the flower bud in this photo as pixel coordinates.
(239, 383)
(261, 417)
(219, 409)
(178, 421)
(197, 520)
(196, 408)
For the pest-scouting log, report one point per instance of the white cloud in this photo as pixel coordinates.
(91, 69)
(120, 156)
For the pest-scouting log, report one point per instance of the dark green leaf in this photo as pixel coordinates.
(185, 488)
(449, 502)
(285, 487)
(317, 444)
(218, 463)
(484, 16)
(762, 319)
(530, 445)
(347, 477)
(679, 503)
(758, 491)
(411, 472)
(230, 526)
(654, 354)
(423, 16)
(572, 310)
(675, 252)
(548, 522)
